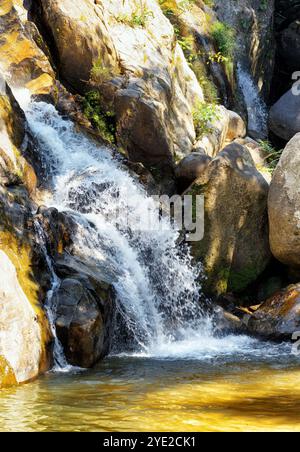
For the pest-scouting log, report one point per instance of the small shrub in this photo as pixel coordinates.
(272, 155)
(224, 37)
(99, 72)
(101, 118)
(203, 115)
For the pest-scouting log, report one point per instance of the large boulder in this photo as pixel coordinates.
(25, 338)
(284, 206)
(21, 336)
(284, 119)
(128, 52)
(84, 319)
(235, 248)
(279, 316)
(84, 303)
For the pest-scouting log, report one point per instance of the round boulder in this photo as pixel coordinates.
(284, 206)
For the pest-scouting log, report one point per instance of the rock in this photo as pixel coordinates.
(22, 61)
(225, 127)
(289, 45)
(143, 75)
(279, 316)
(85, 299)
(235, 248)
(191, 167)
(85, 313)
(236, 126)
(7, 375)
(259, 156)
(227, 323)
(284, 118)
(25, 338)
(22, 338)
(284, 206)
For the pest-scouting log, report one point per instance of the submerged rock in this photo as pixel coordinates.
(284, 206)
(235, 248)
(278, 317)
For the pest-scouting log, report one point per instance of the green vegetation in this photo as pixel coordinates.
(204, 114)
(224, 37)
(272, 155)
(101, 118)
(99, 72)
(138, 18)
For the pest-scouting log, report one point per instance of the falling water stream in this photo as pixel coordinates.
(177, 375)
(256, 107)
(155, 282)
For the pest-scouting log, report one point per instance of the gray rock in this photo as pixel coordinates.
(192, 166)
(284, 119)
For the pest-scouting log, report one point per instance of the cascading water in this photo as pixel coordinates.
(256, 108)
(155, 281)
(60, 362)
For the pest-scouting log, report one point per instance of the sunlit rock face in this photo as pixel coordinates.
(284, 206)
(14, 169)
(136, 64)
(20, 332)
(22, 62)
(24, 331)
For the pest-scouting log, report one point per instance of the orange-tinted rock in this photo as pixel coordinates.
(278, 317)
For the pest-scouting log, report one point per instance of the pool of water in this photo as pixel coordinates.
(246, 389)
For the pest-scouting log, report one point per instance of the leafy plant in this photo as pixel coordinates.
(224, 37)
(99, 72)
(203, 115)
(272, 155)
(101, 118)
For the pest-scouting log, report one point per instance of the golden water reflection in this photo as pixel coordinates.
(146, 395)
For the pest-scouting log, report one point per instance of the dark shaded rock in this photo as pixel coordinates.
(289, 45)
(84, 320)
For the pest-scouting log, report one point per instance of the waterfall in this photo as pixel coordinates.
(155, 282)
(60, 362)
(256, 107)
